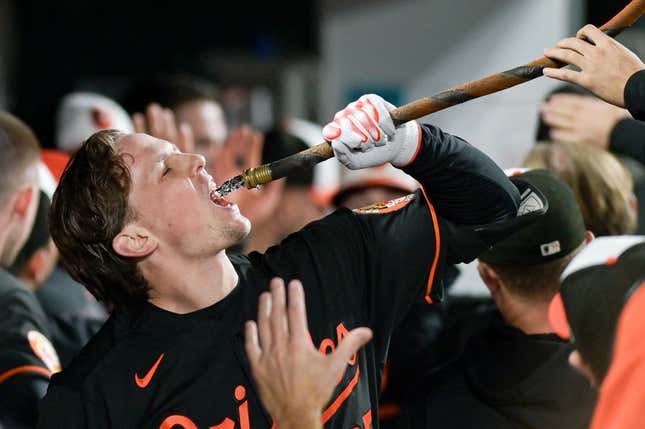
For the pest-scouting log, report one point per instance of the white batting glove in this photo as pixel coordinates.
(363, 135)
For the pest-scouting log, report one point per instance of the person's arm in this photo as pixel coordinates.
(462, 183)
(628, 138)
(607, 68)
(62, 407)
(294, 379)
(27, 357)
(635, 95)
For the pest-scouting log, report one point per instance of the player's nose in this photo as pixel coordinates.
(193, 163)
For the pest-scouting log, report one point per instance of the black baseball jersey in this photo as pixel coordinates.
(27, 357)
(358, 268)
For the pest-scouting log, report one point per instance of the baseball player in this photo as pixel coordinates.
(139, 224)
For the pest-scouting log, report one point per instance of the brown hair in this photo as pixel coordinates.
(89, 208)
(602, 185)
(19, 152)
(540, 281)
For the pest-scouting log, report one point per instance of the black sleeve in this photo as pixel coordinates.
(628, 138)
(62, 407)
(464, 185)
(635, 95)
(27, 357)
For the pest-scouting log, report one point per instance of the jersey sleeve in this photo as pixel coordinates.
(635, 95)
(62, 407)
(628, 138)
(27, 357)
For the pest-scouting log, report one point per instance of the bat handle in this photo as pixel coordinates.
(301, 161)
(304, 160)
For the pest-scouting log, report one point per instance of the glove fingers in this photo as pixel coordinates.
(382, 107)
(365, 117)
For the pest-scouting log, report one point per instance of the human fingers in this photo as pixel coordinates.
(139, 122)
(351, 343)
(297, 311)
(278, 317)
(264, 323)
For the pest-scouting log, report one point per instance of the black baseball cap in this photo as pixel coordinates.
(552, 236)
(594, 289)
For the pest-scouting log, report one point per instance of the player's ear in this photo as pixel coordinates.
(588, 237)
(24, 199)
(489, 277)
(134, 242)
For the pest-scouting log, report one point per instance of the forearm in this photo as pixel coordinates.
(635, 95)
(628, 138)
(464, 185)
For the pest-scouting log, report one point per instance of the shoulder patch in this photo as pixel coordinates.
(44, 350)
(387, 206)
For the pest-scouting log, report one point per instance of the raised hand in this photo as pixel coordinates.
(294, 380)
(160, 122)
(581, 119)
(605, 65)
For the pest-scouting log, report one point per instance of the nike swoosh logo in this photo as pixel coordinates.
(143, 382)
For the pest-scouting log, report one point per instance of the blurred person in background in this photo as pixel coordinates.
(27, 357)
(513, 373)
(600, 310)
(297, 204)
(601, 184)
(185, 110)
(360, 188)
(38, 257)
(74, 314)
(571, 114)
(79, 115)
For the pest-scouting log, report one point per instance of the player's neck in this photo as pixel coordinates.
(186, 286)
(529, 316)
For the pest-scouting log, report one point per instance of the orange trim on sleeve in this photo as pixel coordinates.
(437, 249)
(25, 368)
(333, 408)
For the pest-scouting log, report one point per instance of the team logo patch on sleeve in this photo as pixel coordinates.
(387, 206)
(44, 350)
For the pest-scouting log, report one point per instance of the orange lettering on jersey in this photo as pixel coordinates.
(171, 421)
(327, 346)
(243, 409)
(341, 332)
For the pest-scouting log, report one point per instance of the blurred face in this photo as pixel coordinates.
(295, 210)
(208, 123)
(172, 196)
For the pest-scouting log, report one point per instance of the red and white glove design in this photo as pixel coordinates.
(363, 135)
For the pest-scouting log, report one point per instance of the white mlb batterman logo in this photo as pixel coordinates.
(551, 248)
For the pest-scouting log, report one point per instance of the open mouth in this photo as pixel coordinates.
(218, 200)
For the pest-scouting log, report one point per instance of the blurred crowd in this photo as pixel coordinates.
(546, 337)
